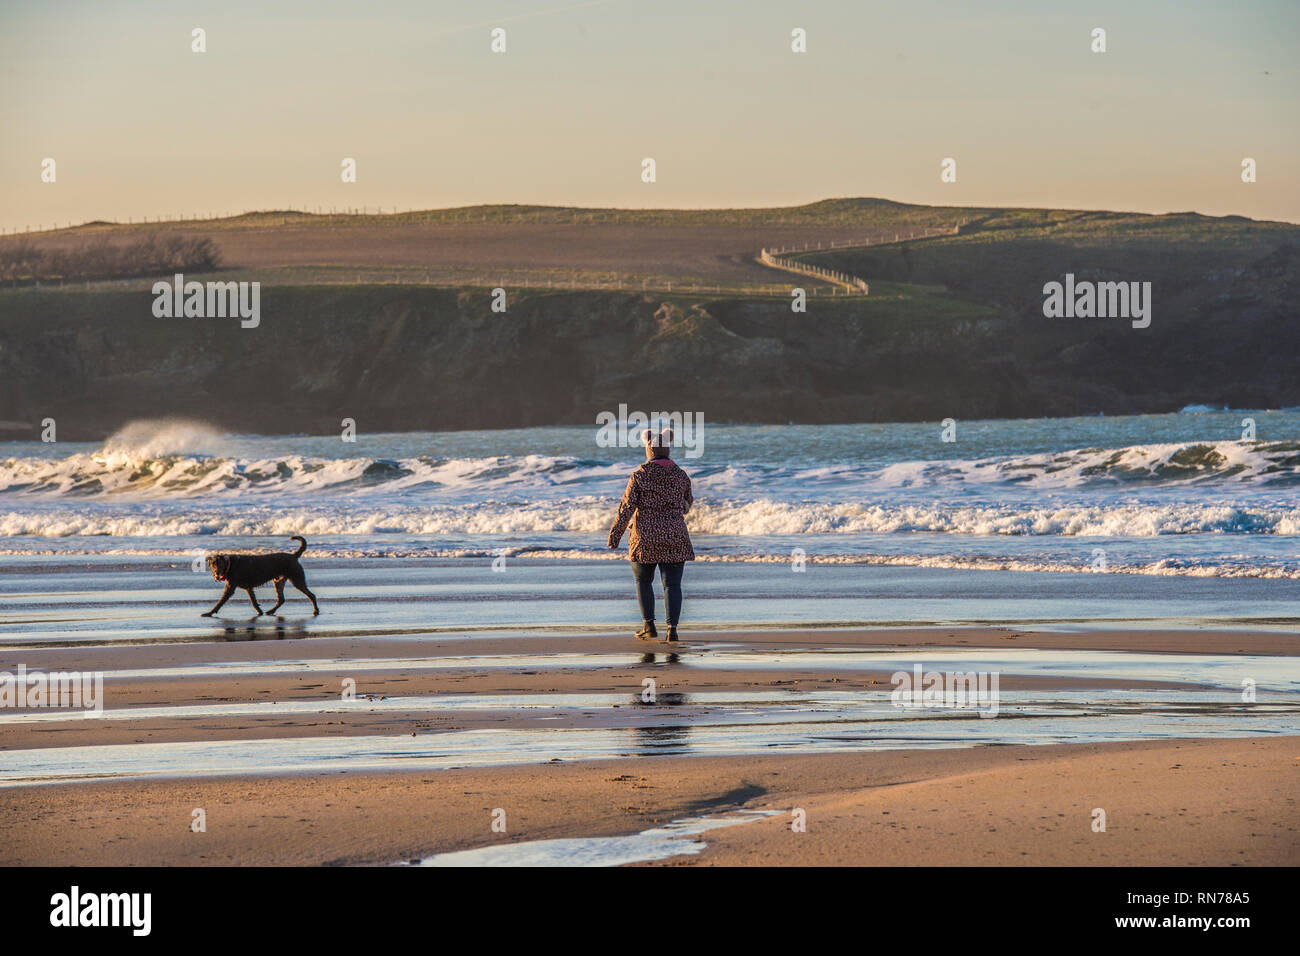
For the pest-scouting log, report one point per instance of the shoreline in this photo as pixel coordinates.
(576, 556)
(115, 602)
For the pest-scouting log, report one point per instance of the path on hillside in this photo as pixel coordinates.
(776, 258)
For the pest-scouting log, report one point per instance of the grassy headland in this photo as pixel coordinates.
(388, 319)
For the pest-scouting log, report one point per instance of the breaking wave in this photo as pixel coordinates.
(764, 518)
(151, 468)
(1209, 508)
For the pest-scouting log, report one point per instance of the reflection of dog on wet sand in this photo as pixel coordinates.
(248, 571)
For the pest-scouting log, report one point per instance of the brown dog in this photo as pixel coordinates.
(248, 571)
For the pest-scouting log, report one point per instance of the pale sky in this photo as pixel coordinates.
(140, 125)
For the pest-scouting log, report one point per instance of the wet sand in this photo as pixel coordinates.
(198, 681)
(927, 798)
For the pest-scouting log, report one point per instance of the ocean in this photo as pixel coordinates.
(1154, 518)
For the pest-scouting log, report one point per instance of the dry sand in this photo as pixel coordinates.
(1167, 803)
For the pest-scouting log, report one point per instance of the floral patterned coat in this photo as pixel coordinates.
(658, 496)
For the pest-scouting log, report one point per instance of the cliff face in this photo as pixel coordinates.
(412, 358)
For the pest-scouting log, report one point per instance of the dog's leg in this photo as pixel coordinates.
(253, 597)
(225, 596)
(279, 595)
(300, 582)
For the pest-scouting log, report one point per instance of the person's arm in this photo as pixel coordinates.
(626, 508)
(690, 498)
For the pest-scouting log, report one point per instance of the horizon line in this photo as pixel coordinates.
(351, 211)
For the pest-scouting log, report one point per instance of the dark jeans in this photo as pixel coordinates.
(671, 576)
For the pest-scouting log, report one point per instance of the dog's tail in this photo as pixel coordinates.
(302, 544)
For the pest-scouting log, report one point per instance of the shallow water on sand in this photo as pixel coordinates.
(1204, 698)
(62, 600)
(705, 708)
(1279, 673)
(676, 725)
(658, 843)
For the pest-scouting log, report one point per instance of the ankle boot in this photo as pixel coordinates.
(647, 632)
(672, 633)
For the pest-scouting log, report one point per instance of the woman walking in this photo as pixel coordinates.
(658, 496)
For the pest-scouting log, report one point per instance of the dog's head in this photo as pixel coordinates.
(219, 565)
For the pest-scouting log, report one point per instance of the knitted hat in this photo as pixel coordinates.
(659, 442)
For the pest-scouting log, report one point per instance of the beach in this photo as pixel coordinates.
(1060, 643)
(556, 732)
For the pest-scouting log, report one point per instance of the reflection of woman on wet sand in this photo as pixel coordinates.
(657, 498)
